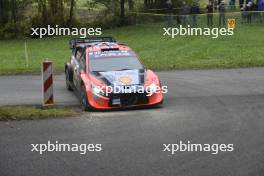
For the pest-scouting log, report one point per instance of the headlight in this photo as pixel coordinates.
(97, 91)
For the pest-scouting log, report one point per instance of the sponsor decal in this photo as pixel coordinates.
(125, 80)
(111, 53)
(121, 78)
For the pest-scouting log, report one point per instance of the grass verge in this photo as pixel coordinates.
(244, 49)
(30, 113)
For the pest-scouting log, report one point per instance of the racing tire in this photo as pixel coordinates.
(84, 101)
(68, 82)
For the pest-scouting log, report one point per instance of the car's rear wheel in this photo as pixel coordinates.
(84, 100)
(68, 83)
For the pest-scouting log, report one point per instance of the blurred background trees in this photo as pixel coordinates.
(18, 16)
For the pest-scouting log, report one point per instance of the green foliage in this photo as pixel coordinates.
(15, 30)
(105, 21)
(12, 19)
(50, 12)
(160, 4)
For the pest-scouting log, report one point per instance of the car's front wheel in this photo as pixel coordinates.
(84, 101)
(68, 84)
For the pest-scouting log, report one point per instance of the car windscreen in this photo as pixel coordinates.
(114, 64)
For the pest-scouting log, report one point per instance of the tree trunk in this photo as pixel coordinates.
(1, 12)
(39, 6)
(61, 9)
(14, 11)
(71, 13)
(122, 12)
(44, 12)
(4, 8)
(131, 5)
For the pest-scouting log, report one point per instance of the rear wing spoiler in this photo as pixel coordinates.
(74, 42)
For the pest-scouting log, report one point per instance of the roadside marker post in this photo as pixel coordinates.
(47, 83)
(26, 53)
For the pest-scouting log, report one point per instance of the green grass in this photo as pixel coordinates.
(30, 113)
(244, 49)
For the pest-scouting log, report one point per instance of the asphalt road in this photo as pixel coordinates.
(214, 106)
(27, 90)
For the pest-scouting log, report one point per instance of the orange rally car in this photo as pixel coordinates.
(108, 75)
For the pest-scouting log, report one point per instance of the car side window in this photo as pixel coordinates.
(83, 62)
(78, 54)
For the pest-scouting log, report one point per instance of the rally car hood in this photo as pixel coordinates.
(122, 77)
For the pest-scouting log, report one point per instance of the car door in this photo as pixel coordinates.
(77, 67)
(82, 68)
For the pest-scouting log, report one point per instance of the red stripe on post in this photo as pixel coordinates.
(46, 65)
(48, 83)
(50, 100)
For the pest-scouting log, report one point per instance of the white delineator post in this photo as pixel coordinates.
(47, 83)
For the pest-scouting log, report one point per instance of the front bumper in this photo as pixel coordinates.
(124, 100)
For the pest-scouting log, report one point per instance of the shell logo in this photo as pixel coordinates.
(125, 80)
